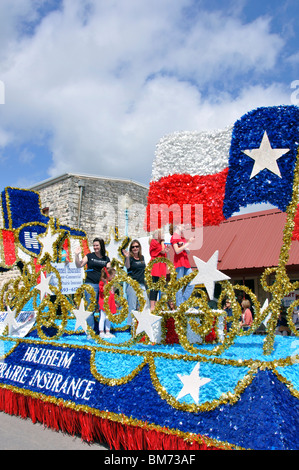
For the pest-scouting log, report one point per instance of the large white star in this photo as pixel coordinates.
(208, 273)
(114, 247)
(21, 329)
(146, 320)
(81, 316)
(265, 157)
(10, 320)
(48, 240)
(192, 384)
(43, 286)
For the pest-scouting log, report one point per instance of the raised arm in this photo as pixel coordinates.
(127, 258)
(178, 247)
(80, 263)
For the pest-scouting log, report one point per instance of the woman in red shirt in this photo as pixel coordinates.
(104, 324)
(181, 261)
(157, 250)
(246, 315)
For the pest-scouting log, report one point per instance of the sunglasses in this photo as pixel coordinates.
(135, 246)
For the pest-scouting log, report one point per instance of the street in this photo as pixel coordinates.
(21, 434)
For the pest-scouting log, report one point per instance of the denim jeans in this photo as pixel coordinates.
(133, 301)
(90, 319)
(182, 294)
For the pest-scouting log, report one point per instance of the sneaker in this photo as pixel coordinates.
(109, 335)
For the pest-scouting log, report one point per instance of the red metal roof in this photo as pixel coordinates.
(247, 241)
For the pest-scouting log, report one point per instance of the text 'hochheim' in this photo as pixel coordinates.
(48, 380)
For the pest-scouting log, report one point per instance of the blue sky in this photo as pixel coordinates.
(92, 85)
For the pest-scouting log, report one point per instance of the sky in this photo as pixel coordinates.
(90, 86)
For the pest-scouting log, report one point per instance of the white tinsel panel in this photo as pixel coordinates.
(193, 153)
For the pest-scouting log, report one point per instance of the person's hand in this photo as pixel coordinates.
(125, 253)
(78, 250)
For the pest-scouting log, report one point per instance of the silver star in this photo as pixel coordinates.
(265, 157)
(48, 241)
(81, 316)
(114, 248)
(192, 384)
(10, 320)
(21, 329)
(146, 320)
(208, 273)
(43, 286)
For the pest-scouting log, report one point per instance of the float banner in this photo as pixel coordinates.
(52, 371)
(70, 275)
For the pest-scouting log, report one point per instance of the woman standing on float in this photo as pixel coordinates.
(135, 264)
(157, 250)
(95, 262)
(181, 260)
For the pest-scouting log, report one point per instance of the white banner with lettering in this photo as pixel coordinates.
(71, 277)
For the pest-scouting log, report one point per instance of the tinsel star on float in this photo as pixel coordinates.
(49, 241)
(115, 246)
(265, 157)
(208, 273)
(43, 286)
(10, 320)
(146, 321)
(192, 383)
(81, 317)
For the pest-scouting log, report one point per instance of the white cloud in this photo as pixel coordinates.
(107, 79)
(218, 46)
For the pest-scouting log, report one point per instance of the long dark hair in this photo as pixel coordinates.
(102, 245)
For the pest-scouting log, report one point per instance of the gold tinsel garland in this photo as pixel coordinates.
(149, 356)
(17, 293)
(123, 419)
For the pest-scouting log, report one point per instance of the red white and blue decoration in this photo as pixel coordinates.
(176, 379)
(262, 159)
(224, 170)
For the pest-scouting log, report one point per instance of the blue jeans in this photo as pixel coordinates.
(183, 295)
(133, 301)
(90, 319)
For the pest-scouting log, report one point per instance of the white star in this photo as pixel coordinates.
(43, 286)
(21, 329)
(192, 384)
(114, 248)
(265, 157)
(208, 273)
(10, 320)
(81, 316)
(48, 241)
(146, 320)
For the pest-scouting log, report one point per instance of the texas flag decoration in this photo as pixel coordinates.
(253, 162)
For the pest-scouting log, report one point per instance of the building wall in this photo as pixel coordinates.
(102, 207)
(96, 205)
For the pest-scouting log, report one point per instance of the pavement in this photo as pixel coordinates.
(21, 434)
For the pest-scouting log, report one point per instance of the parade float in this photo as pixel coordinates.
(175, 380)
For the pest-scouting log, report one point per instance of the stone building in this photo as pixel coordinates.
(95, 204)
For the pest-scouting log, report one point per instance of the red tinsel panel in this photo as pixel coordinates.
(296, 226)
(9, 249)
(171, 334)
(208, 190)
(92, 428)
